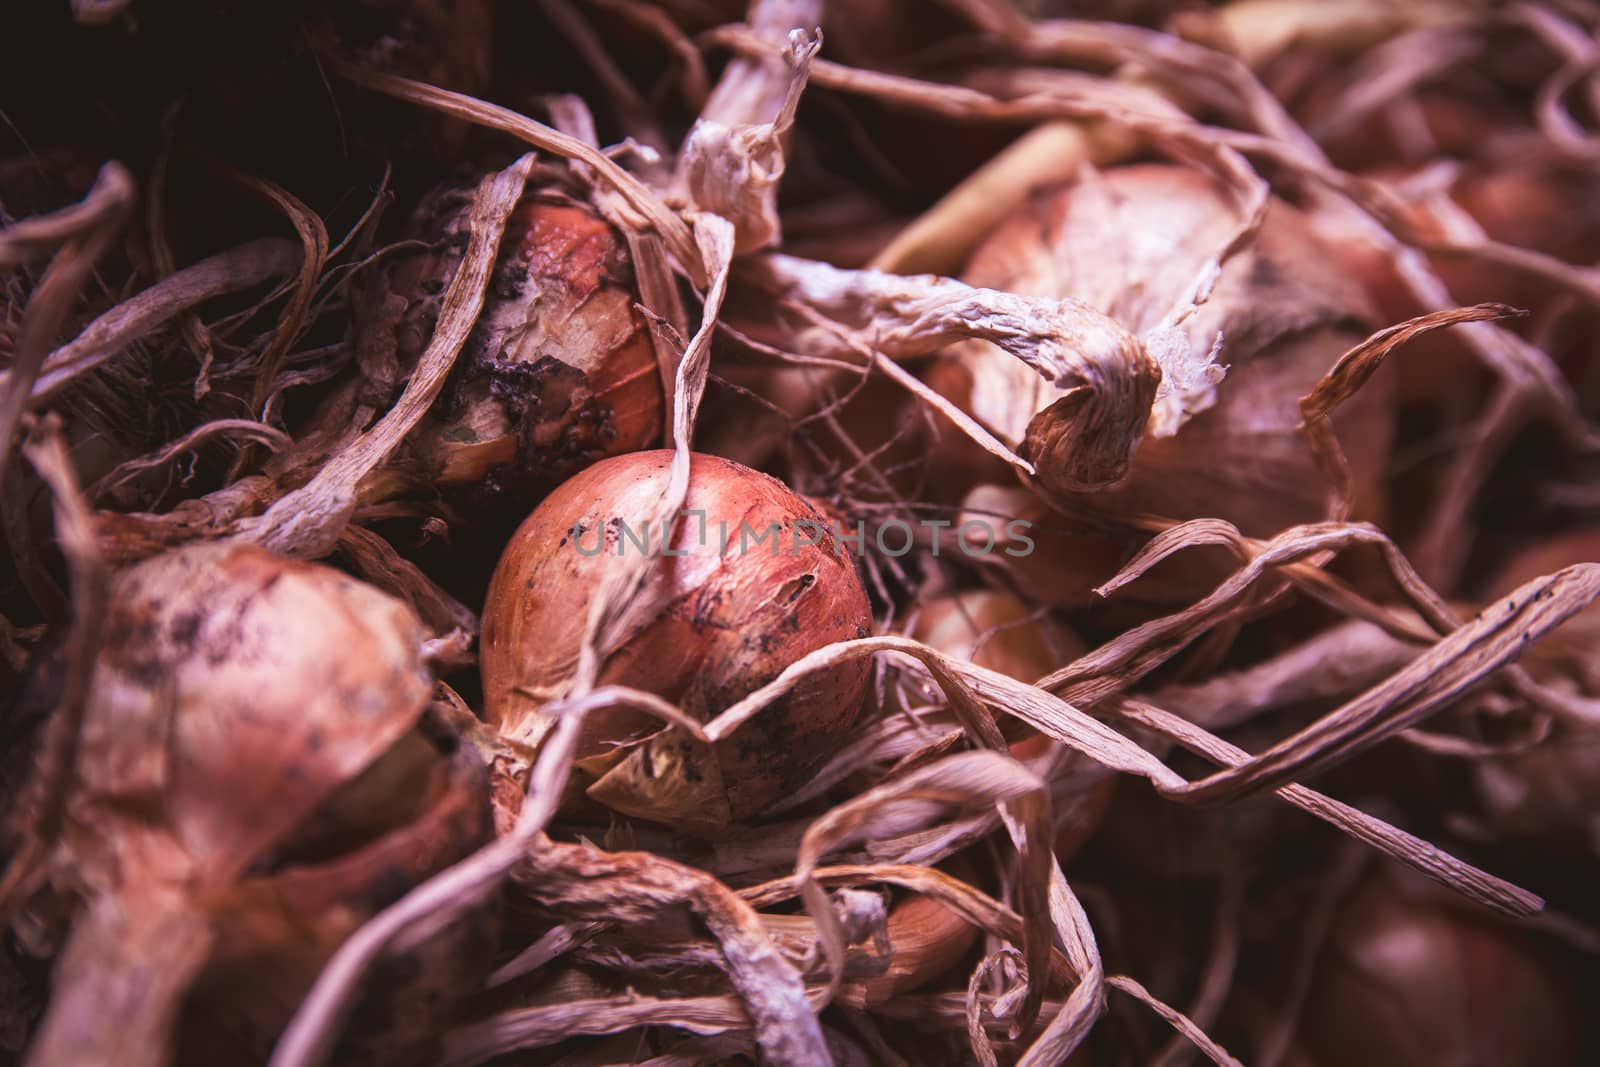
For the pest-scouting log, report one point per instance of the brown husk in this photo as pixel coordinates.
(229, 863)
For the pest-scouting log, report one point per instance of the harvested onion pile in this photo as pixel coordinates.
(983, 532)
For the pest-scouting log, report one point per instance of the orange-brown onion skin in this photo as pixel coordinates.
(559, 371)
(720, 625)
(1130, 242)
(1411, 976)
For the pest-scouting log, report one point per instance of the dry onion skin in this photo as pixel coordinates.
(926, 940)
(249, 757)
(1130, 242)
(279, 831)
(721, 619)
(1531, 203)
(559, 371)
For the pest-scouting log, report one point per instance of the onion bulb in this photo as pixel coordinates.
(559, 371)
(998, 631)
(1131, 242)
(251, 783)
(718, 620)
(1410, 976)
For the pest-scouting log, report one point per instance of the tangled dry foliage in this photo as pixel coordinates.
(178, 368)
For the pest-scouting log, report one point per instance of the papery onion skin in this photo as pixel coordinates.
(719, 624)
(559, 371)
(1130, 242)
(1409, 976)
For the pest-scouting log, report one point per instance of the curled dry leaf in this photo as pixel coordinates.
(583, 882)
(52, 783)
(732, 160)
(1129, 243)
(1336, 662)
(1105, 381)
(308, 521)
(87, 235)
(646, 210)
(1345, 380)
(972, 778)
(922, 937)
(925, 940)
(718, 616)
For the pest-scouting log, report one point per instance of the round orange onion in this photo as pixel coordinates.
(1130, 243)
(559, 371)
(723, 616)
(1411, 976)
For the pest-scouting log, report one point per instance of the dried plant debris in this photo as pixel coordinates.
(687, 532)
